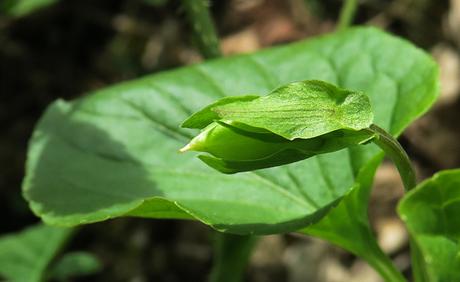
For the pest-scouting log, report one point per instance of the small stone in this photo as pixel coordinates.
(331, 270)
(361, 271)
(268, 251)
(303, 259)
(449, 65)
(391, 234)
(452, 25)
(244, 41)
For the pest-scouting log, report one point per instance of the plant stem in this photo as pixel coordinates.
(387, 273)
(383, 265)
(347, 14)
(231, 255)
(197, 12)
(396, 153)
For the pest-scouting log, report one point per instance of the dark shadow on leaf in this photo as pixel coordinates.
(76, 168)
(284, 227)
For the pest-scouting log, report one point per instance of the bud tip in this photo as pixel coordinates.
(185, 148)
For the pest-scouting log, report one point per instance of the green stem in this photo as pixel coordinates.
(347, 14)
(197, 12)
(396, 153)
(384, 266)
(231, 256)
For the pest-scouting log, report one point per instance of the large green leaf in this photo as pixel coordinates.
(431, 213)
(114, 153)
(25, 256)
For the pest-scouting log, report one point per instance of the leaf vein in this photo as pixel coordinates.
(326, 178)
(297, 185)
(282, 190)
(176, 100)
(211, 81)
(166, 129)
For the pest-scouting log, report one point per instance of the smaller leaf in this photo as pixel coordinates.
(430, 212)
(75, 264)
(294, 122)
(24, 256)
(206, 116)
(304, 109)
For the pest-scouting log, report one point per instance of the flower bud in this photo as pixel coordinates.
(309, 118)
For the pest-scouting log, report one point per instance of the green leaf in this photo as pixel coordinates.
(303, 109)
(206, 116)
(19, 8)
(24, 256)
(75, 264)
(431, 213)
(114, 153)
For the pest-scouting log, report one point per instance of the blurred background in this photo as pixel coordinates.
(67, 48)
